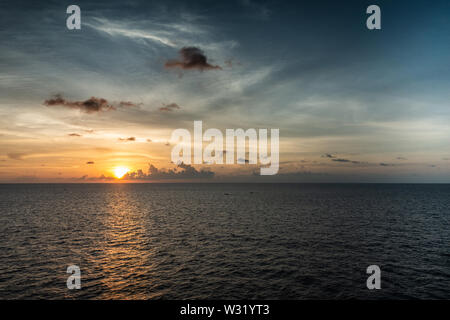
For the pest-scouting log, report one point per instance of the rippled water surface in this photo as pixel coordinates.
(224, 241)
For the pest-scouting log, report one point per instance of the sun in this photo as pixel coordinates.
(119, 172)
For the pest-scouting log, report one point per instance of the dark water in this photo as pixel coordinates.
(224, 241)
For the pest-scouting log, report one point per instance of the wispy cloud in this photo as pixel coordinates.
(170, 107)
(116, 29)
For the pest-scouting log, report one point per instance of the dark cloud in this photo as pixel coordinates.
(74, 135)
(327, 155)
(91, 105)
(16, 156)
(183, 171)
(401, 158)
(170, 107)
(342, 160)
(127, 139)
(191, 58)
(102, 178)
(383, 164)
(129, 104)
(90, 162)
(149, 140)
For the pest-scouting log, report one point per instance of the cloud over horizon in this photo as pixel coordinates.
(187, 172)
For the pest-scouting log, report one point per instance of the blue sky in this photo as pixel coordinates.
(351, 104)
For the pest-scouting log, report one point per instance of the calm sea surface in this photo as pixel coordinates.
(224, 241)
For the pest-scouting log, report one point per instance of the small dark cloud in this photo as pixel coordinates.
(383, 164)
(401, 158)
(167, 144)
(341, 160)
(170, 107)
(16, 156)
(446, 159)
(89, 131)
(327, 155)
(127, 139)
(149, 140)
(129, 104)
(346, 161)
(91, 105)
(191, 58)
(90, 162)
(74, 135)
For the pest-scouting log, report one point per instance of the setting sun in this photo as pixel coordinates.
(119, 172)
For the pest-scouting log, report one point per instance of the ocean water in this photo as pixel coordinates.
(224, 241)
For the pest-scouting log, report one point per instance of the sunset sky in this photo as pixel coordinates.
(352, 105)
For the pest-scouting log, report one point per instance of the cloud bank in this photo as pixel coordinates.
(183, 171)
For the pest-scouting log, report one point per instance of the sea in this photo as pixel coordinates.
(224, 241)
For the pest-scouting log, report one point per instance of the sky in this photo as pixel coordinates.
(351, 104)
